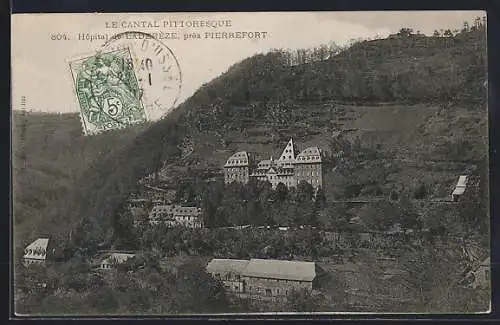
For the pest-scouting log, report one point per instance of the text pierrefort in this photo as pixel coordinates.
(169, 23)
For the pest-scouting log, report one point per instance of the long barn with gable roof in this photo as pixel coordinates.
(290, 168)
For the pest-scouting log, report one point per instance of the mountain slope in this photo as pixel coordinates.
(282, 100)
(49, 153)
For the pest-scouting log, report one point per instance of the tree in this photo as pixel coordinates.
(405, 32)
(420, 191)
(302, 300)
(472, 211)
(281, 192)
(379, 215)
(304, 191)
(393, 196)
(335, 289)
(197, 291)
(320, 199)
(448, 33)
(409, 216)
(465, 27)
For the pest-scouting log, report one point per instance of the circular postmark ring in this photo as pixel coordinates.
(156, 68)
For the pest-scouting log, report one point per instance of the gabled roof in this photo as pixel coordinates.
(279, 269)
(117, 258)
(272, 170)
(186, 211)
(309, 155)
(163, 208)
(37, 249)
(462, 180)
(238, 159)
(288, 154)
(461, 185)
(224, 266)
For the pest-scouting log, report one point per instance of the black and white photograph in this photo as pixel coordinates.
(250, 163)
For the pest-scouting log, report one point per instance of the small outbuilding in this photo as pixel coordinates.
(459, 188)
(36, 252)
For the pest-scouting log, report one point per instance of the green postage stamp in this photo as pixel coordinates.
(107, 91)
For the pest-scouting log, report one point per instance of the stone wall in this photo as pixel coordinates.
(273, 287)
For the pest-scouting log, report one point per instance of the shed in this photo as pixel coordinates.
(36, 251)
(460, 187)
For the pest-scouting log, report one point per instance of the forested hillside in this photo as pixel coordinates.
(49, 154)
(268, 91)
(399, 119)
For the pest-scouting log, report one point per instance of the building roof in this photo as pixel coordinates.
(462, 180)
(186, 211)
(169, 211)
(117, 258)
(392, 272)
(264, 164)
(279, 269)
(163, 208)
(238, 159)
(309, 155)
(37, 249)
(138, 200)
(223, 266)
(288, 154)
(486, 262)
(461, 185)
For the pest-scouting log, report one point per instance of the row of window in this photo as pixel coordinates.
(195, 224)
(312, 173)
(232, 162)
(231, 178)
(178, 218)
(278, 177)
(268, 291)
(236, 175)
(236, 169)
(309, 158)
(312, 181)
(312, 166)
(38, 251)
(29, 261)
(241, 170)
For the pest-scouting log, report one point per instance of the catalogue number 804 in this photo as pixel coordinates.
(59, 37)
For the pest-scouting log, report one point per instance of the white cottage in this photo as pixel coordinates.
(36, 252)
(459, 188)
(111, 259)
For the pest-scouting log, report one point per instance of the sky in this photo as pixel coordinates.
(40, 71)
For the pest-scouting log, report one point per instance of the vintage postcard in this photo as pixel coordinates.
(250, 163)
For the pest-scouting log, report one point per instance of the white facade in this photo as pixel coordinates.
(175, 215)
(460, 187)
(113, 259)
(36, 252)
(290, 168)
